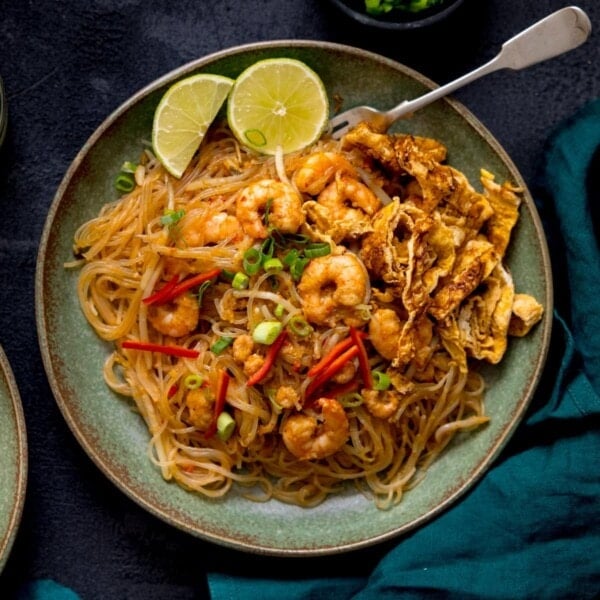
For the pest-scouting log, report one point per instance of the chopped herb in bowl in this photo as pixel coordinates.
(380, 7)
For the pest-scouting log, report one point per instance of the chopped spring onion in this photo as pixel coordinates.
(299, 326)
(267, 248)
(267, 211)
(267, 332)
(128, 167)
(225, 426)
(227, 275)
(125, 182)
(273, 265)
(297, 268)
(297, 238)
(381, 381)
(203, 287)
(279, 311)
(317, 249)
(256, 137)
(271, 393)
(291, 257)
(240, 281)
(193, 381)
(172, 217)
(252, 261)
(351, 400)
(221, 344)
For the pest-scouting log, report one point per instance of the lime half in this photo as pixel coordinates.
(278, 102)
(183, 116)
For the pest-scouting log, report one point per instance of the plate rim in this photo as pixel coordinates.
(16, 513)
(177, 520)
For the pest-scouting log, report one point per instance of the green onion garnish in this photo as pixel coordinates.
(227, 275)
(267, 248)
(381, 381)
(255, 136)
(171, 217)
(203, 287)
(351, 400)
(273, 265)
(267, 212)
(225, 426)
(297, 238)
(125, 182)
(297, 268)
(279, 311)
(193, 381)
(271, 393)
(240, 281)
(128, 167)
(221, 344)
(252, 261)
(299, 326)
(317, 249)
(291, 257)
(267, 332)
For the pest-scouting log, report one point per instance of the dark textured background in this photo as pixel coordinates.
(66, 65)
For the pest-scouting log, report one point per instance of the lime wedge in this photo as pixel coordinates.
(182, 117)
(278, 102)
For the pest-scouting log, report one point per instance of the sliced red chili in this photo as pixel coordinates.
(269, 359)
(331, 370)
(337, 349)
(162, 348)
(181, 287)
(221, 396)
(164, 292)
(363, 358)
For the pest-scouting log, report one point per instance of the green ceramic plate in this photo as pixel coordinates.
(116, 438)
(13, 459)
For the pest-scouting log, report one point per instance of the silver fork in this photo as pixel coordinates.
(557, 33)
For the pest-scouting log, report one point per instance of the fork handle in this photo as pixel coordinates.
(557, 33)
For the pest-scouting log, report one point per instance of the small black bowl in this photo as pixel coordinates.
(397, 20)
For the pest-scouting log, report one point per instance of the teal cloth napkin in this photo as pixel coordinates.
(531, 527)
(46, 589)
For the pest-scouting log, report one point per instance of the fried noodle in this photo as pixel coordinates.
(414, 264)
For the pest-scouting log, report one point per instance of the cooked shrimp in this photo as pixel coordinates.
(253, 364)
(176, 318)
(317, 432)
(381, 404)
(385, 329)
(200, 406)
(269, 200)
(319, 169)
(335, 288)
(287, 396)
(242, 348)
(344, 209)
(346, 373)
(401, 341)
(200, 229)
(349, 199)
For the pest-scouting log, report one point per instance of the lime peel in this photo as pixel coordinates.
(278, 102)
(183, 115)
